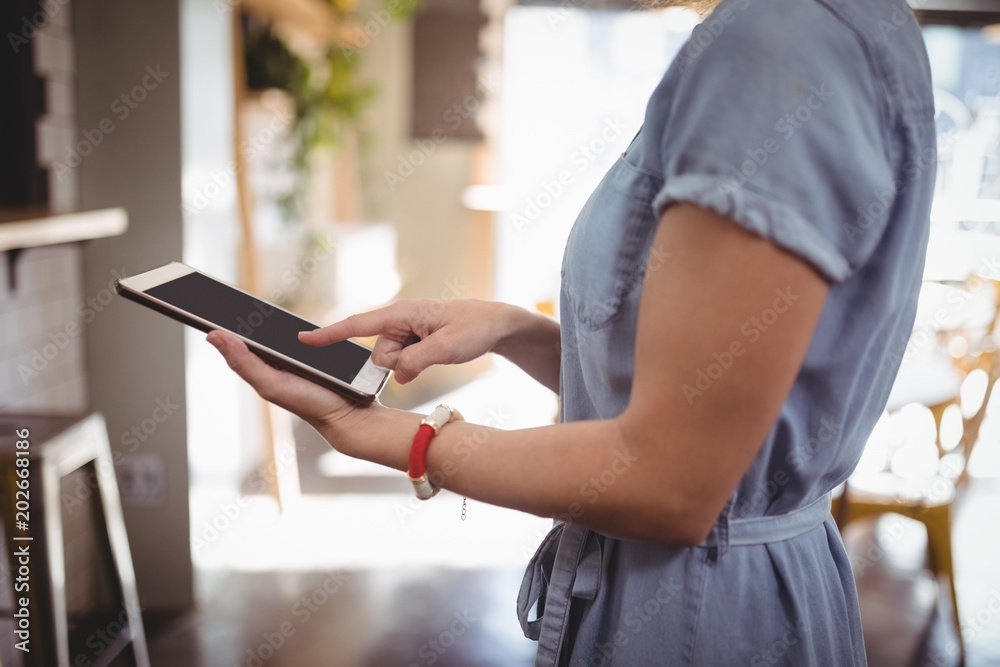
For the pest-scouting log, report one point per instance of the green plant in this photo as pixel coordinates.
(327, 92)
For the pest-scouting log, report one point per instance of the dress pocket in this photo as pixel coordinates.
(606, 252)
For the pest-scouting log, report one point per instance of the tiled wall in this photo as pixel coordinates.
(42, 325)
(57, 138)
(42, 320)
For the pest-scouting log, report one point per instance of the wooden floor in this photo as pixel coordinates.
(447, 617)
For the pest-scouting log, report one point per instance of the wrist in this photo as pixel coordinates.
(346, 429)
(374, 433)
(515, 324)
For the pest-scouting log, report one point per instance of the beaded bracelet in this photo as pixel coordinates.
(430, 426)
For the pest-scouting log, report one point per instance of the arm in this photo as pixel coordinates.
(533, 344)
(416, 334)
(663, 469)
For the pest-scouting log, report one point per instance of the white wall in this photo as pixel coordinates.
(433, 227)
(134, 357)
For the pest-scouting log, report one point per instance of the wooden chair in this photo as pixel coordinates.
(931, 501)
(59, 446)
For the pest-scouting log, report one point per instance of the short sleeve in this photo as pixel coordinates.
(776, 120)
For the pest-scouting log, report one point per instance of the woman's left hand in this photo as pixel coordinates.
(322, 408)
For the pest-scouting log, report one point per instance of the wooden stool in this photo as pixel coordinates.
(934, 513)
(59, 446)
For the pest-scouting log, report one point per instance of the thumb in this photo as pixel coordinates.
(413, 360)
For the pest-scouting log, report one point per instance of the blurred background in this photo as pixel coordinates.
(334, 155)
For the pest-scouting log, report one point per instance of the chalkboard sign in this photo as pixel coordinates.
(447, 88)
(22, 181)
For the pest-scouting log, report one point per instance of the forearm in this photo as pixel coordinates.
(664, 468)
(531, 341)
(584, 472)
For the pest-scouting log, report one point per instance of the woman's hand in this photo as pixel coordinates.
(413, 335)
(322, 408)
(416, 334)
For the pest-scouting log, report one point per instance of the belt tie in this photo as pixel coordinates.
(568, 564)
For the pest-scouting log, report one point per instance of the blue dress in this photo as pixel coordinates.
(811, 124)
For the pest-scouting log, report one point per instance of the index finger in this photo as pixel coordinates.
(372, 323)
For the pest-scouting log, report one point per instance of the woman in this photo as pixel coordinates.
(736, 298)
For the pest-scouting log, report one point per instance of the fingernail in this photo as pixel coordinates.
(217, 343)
(302, 333)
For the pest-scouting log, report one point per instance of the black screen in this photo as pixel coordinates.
(260, 322)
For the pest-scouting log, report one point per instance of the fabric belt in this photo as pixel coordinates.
(568, 564)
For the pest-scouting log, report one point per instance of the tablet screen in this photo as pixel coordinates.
(260, 322)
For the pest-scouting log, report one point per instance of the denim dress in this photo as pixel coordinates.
(809, 123)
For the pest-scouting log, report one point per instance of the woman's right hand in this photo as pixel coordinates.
(415, 334)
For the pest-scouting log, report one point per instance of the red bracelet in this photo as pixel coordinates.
(429, 427)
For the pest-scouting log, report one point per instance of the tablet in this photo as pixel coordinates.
(271, 332)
